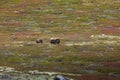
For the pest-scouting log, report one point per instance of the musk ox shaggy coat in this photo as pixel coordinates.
(39, 41)
(55, 41)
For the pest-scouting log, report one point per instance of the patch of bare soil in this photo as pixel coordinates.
(24, 35)
(94, 77)
(110, 30)
(26, 3)
(12, 23)
(111, 64)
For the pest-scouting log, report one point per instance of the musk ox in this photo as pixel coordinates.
(39, 41)
(55, 41)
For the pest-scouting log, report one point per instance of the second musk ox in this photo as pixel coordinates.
(55, 41)
(39, 41)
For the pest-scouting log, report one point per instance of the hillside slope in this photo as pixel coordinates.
(89, 31)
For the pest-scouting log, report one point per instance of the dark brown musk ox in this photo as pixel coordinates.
(39, 41)
(55, 41)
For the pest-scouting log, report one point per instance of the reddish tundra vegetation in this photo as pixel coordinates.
(87, 33)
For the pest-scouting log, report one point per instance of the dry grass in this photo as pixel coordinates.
(91, 26)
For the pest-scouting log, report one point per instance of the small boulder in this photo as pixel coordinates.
(59, 77)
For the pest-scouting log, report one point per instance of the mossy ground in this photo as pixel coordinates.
(73, 21)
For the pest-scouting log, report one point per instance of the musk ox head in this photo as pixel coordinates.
(55, 41)
(39, 41)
